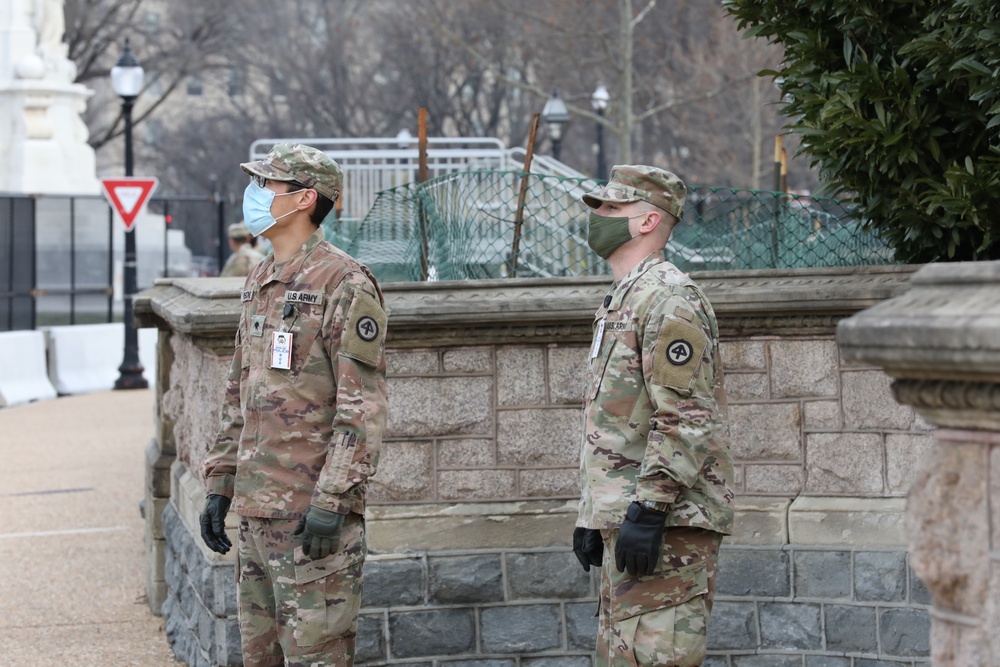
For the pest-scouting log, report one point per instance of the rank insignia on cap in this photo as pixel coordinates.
(679, 352)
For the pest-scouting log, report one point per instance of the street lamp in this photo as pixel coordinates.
(555, 116)
(599, 100)
(126, 79)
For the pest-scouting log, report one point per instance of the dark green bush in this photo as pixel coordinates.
(898, 105)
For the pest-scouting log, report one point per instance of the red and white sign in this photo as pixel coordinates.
(128, 195)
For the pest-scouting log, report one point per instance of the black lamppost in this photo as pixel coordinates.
(599, 100)
(555, 116)
(126, 79)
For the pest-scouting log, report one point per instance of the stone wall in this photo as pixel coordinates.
(473, 507)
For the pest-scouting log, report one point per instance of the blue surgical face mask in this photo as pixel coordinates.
(257, 208)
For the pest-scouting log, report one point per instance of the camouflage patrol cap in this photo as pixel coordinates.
(631, 183)
(238, 230)
(300, 163)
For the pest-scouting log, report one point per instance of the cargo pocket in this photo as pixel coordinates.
(681, 573)
(328, 590)
(674, 636)
(633, 596)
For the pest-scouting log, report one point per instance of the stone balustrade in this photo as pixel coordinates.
(940, 343)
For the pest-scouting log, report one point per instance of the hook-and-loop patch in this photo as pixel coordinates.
(679, 349)
(364, 329)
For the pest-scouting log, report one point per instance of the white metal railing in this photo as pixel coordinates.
(373, 164)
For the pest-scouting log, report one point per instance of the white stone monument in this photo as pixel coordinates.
(43, 148)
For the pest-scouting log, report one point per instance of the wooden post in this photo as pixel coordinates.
(421, 178)
(780, 166)
(422, 145)
(529, 153)
(780, 183)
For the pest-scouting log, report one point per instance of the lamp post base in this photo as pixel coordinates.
(131, 379)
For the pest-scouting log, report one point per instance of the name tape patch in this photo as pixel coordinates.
(618, 326)
(303, 297)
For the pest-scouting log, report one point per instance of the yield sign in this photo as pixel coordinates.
(128, 195)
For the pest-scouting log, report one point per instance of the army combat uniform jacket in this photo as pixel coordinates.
(656, 426)
(311, 433)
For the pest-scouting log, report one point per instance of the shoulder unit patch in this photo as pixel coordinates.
(364, 330)
(680, 346)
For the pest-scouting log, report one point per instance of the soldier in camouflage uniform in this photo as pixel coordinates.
(244, 256)
(302, 423)
(655, 465)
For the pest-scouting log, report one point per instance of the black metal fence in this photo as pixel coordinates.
(60, 256)
(17, 261)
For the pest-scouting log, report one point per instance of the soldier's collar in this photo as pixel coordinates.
(286, 271)
(622, 287)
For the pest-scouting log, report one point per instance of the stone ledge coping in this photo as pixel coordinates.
(483, 311)
(944, 327)
(536, 524)
(869, 522)
(202, 306)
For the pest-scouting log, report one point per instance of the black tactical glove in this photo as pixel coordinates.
(640, 540)
(320, 532)
(588, 547)
(213, 523)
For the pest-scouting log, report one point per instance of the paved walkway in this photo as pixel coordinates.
(71, 538)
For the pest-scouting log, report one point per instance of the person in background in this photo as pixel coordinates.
(302, 422)
(656, 465)
(244, 256)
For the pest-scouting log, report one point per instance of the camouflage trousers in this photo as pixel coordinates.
(294, 611)
(661, 619)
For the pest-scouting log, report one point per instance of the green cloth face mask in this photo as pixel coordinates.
(606, 234)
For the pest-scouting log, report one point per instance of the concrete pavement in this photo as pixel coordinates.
(71, 552)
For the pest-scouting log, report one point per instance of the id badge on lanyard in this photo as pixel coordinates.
(281, 350)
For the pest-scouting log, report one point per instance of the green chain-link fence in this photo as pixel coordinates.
(465, 225)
